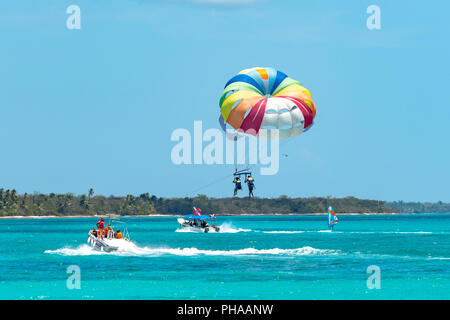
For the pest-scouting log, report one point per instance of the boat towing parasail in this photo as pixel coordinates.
(198, 222)
(108, 238)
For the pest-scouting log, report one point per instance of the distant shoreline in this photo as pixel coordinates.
(221, 215)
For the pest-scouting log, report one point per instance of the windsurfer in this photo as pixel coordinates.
(332, 218)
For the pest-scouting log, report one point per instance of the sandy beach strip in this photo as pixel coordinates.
(174, 215)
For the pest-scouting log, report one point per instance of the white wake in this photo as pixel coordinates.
(224, 228)
(132, 250)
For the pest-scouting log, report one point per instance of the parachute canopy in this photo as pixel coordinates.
(264, 98)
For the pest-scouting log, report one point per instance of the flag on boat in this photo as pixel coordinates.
(197, 212)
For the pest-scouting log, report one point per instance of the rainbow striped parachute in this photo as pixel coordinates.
(264, 98)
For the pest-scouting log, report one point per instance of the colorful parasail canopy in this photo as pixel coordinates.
(264, 98)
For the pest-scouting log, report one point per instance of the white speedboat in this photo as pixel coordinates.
(108, 242)
(198, 222)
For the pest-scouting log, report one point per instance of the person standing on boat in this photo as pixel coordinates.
(101, 227)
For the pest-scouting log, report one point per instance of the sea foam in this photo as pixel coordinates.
(132, 250)
(224, 228)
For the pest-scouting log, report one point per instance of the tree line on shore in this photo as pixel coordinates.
(37, 204)
(420, 207)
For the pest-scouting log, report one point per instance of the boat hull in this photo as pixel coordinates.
(99, 244)
(186, 225)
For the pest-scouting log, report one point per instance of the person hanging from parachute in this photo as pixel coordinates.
(251, 184)
(237, 185)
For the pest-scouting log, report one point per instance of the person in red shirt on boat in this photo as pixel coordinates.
(101, 227)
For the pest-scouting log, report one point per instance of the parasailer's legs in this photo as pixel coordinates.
(237, 185)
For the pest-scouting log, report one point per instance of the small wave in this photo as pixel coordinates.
(373, 232)
(390, 232)
(372, 255)
(408, 232)
(229, 228)
(283, 232)
(83, 250)
(134, 250)
(189, 230)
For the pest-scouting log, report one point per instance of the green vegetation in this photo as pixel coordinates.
(13, 204)
(420, 207)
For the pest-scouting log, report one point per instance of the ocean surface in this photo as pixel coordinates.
(257, 257)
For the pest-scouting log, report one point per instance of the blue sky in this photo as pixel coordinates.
(96, 107)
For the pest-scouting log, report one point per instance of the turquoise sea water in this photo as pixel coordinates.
(263, 257)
